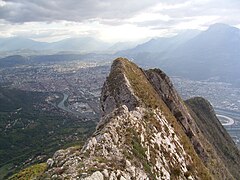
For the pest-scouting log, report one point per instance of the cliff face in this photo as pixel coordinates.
(215, 133)
(146, 132)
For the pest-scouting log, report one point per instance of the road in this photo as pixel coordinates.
(230, 121)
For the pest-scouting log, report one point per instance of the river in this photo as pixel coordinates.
(61, 104)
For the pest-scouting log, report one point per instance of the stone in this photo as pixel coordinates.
(105, 173)
(50, 162)
(95, 176)
(112, 176)
(122, 178)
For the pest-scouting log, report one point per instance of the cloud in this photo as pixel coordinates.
(112, 19)
(20, 11)
(196, 14)
(113, 12)
(196, 8)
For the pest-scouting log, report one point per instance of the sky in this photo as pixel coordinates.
(112, 20)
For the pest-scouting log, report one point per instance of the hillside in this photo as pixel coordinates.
(31, 130)
(146, 132)
(216, 134)
(213, 53)
(163, 44)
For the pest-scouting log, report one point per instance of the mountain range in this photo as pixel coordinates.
(148, 132)
(79, 45)
(211, 54)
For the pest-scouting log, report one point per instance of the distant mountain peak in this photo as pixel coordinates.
(220, 27)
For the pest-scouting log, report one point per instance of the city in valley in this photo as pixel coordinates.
(74, 88)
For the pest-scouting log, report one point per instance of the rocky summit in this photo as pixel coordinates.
(148, 132)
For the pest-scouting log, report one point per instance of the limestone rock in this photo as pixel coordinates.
(95, 176)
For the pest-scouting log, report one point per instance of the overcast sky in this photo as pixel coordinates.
(112, 20)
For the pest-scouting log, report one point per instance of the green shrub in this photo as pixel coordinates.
(31, 172)
(175, 171)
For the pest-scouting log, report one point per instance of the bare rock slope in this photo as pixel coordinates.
(146, 132)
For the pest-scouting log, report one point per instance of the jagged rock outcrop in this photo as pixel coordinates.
(165, 89)
(146, 132)
(117, 91)
(189, 122)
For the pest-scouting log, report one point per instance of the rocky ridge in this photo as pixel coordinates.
(146, 132)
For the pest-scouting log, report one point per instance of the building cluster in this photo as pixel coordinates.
(80, 81)
(221, 95)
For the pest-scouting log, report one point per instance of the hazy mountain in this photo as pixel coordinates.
(147, 132)
(19, 43)
(213, 53)
(84, 45)
(12, 61)
(162, 44)
(120, 46)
